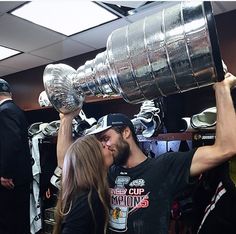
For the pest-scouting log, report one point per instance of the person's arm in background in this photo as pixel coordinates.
(224, 148)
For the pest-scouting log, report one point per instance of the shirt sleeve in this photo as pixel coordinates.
(177, 166)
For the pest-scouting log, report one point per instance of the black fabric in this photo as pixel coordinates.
(221, 218)
(174, 112)
(14, 210)
(15, 163)
(80, 219)
(150, 187)
(48, 163)
(15, 159)
(118, 119)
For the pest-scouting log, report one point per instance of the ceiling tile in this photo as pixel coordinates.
(217, 7)
(22, 35)
(6, 6)
(24, 61)
(43, 46)
(62, 50)
(131, 4)
(4, 70)
(97, 37)
(226, 6)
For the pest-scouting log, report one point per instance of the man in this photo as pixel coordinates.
(15, 166)
(142, 189)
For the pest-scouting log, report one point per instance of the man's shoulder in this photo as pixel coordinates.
(172, 157)
(11, 109)
(171, 154)
(8, 105)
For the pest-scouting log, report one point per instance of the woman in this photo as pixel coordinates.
(84, 199)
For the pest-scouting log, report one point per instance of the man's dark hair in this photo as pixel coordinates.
(120, 129)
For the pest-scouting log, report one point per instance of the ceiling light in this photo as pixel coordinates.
(66, 17)
(6, 53)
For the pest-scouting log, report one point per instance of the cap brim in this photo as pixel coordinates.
(98, 130)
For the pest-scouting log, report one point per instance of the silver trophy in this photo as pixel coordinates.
(172, 51)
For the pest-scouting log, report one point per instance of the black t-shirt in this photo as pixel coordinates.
(80, 219)
(141, 197)
(215, 201)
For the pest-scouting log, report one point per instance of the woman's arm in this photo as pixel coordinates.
(64, 140)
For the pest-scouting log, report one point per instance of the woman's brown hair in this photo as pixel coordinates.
(83, 170)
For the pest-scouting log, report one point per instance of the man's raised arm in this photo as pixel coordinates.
(224, 148)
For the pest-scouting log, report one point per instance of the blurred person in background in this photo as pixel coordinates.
(15, 166)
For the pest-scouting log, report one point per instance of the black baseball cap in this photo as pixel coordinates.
(4, 86)
(112, 120)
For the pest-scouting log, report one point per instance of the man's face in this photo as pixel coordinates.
(116, 144)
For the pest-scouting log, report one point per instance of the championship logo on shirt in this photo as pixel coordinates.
(125, 201)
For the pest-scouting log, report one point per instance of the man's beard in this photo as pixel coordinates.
(123, 152)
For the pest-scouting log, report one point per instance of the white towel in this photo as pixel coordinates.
(35, 208)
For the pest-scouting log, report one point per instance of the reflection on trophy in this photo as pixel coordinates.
(172, 51)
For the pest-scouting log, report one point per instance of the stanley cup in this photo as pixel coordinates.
(170, 52)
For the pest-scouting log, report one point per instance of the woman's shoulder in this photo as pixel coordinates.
(85, 196)
(80, 217)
